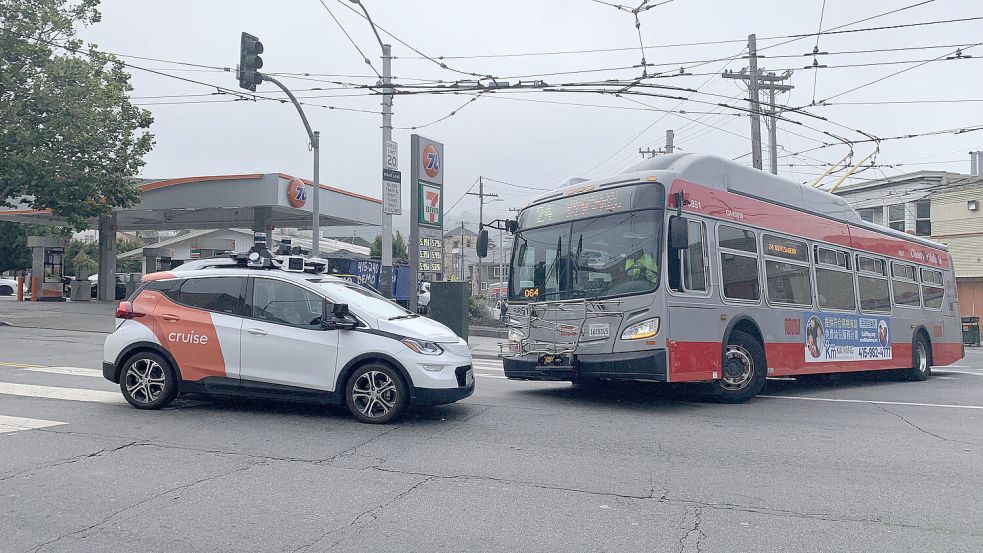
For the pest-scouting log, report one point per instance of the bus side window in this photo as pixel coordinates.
(687, 269)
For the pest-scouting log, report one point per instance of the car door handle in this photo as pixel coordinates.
(170, 318)
(257, 332)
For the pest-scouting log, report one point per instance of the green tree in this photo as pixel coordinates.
(70, 139)
(129, 265)
(399, 247)
(84, 266)
(14, 253)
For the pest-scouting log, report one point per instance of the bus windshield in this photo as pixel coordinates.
(595, 257)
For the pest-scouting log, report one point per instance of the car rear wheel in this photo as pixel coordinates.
(743, 372)
(921, 364)
(6, 290)
(148, 381)
(376, 394)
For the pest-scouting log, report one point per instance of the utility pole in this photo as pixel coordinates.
(461, 249)
(501, 261)
(650, 153)
(481, 217)
(387, 134)
(772, 83)
(754, 79)
(752, 50)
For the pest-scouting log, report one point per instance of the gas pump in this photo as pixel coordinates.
(157, 259)
(47, 267)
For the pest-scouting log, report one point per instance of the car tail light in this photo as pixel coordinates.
(125, 311)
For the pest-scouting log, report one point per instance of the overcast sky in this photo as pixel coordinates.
(535, 143)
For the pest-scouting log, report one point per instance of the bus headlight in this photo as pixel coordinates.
(639, 331)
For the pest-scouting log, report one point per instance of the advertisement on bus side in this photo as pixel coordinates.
(845, 337)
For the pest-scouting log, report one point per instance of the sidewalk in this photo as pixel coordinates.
(483, 347)
(83, 316)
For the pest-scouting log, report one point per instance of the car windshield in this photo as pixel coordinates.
(368, 301)
(610, 255)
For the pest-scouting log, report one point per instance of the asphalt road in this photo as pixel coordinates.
(853, 464)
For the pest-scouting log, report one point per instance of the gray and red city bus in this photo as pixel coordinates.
(692, 268)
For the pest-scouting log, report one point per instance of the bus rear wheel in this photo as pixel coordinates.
(921, 361)
(743, 371)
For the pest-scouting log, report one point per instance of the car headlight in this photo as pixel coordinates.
(645, 329)
(423, 346)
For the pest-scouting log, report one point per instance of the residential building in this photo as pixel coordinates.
(459, 253)
(946, 207)
(493, 272)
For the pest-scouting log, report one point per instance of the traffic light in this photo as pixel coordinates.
(249, 62)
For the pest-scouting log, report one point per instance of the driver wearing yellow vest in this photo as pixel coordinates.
(642, 266)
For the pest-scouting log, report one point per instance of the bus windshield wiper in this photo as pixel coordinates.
(406, 316)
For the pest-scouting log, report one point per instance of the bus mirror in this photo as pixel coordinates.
(482, 245)
(511, 226)
(679, 233)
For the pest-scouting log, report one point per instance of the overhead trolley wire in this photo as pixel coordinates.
(350, 39)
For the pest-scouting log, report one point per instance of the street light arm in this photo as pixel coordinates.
(300, 110)
(369, 18)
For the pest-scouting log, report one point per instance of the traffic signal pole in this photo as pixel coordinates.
(315, 137)
(249, 76)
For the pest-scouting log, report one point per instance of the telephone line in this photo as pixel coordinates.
(713, 42)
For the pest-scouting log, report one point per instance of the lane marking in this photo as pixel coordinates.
(943, 405)
(16, 424)
(53, 392)
(961, 372)
(72, 371)
(18, 365)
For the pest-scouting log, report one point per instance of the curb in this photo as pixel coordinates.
(488, 332)
(485, 356)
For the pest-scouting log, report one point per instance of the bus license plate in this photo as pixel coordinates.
(598, 330)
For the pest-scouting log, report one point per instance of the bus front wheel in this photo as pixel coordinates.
(743, 372)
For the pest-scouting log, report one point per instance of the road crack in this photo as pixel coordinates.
(364, 518)
(70, 460)
(694, 530)
(919, 428)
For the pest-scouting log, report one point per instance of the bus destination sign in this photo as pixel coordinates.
(590, 204)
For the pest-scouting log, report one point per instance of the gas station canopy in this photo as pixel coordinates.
(258, 201)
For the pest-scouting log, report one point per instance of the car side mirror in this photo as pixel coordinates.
(679, 233)
(335, 316)
(482, 246)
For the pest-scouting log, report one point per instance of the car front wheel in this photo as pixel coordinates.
(376, 394)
